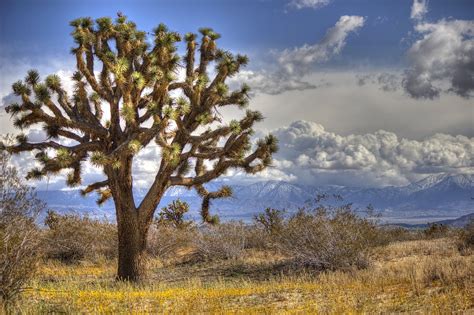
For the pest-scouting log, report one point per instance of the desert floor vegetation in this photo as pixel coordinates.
(425, 275)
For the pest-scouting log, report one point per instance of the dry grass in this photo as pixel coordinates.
(415, 276)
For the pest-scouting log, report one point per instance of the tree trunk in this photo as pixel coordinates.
(131, 247)
(132, 224)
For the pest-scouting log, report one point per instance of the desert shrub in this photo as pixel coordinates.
(20, 252)
(465, 238)
(390, 234)
(271, 220)
(436, 230)
(70, 238)
(20, 238)
(165, 241)
(266, 226)
(219, 242)
(328, 239)
(258, 238)
(170, 232)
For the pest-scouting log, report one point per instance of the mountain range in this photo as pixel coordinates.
(437, 197)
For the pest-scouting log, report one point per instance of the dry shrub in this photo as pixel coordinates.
(20, 238)
(20, 252)
(391, 234)
(436, 230)
(265, 228)
(328, 240)
(446, 271)
(272, 221)
(258, 238)
(71, 238)
(165, 241)
(465, 239)
(170, 232)
(219, 242)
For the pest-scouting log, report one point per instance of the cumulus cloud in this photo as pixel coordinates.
(442, 60)
(302, 4)
(418, 9)
(292, 65)
(310, 152)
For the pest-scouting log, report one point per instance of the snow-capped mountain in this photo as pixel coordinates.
(439, 196)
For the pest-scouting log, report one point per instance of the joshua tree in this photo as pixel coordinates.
(173, 215)
(126, 95)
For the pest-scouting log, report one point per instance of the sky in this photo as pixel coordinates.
(359, 92)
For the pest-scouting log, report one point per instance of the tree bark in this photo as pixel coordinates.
(132, 223)
(131, 247)
(132, 230)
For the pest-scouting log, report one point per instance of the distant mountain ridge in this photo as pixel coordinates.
(439, 196)
(456, 223)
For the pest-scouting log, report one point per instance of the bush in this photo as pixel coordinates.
(266, 226)
(328, 240)
(465, 239)
(271, 221)
(20, 252)
(391, 234)
(170, 232)
(435, 230)
(70, 238)
(258, 238)
(165, 241)
(219, 242)
(20, 238)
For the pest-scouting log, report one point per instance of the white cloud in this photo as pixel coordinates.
(418, 9)
(270, 82)
(299, 60)
(379, 158)
(291, 66)
(442, 60)
(315, 4)
(311, 154)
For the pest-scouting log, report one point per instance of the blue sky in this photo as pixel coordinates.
(39, 29)
(361, 92)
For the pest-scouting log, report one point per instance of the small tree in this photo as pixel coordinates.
(126, 95)
(19, 237)
(173, 215)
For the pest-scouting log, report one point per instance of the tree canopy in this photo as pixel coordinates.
(127, 93)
